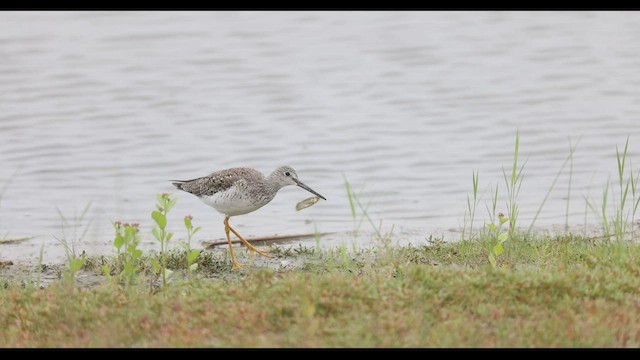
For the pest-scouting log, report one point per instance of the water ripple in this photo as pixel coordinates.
(406, 105)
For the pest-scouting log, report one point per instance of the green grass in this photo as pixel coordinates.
(556, 292)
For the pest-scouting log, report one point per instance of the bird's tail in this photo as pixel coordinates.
(177, 183)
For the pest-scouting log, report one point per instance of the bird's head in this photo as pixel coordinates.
(285, 175)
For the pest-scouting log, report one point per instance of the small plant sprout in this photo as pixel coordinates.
(620, 224)
(566, 213)
(351, 196)
(513, 184)
(75, 261)
(164, 205)
(192, 255)
(126, 242)
(498, 237)
(635, 198)
(470, 214)
(355, 200)
(621, 218)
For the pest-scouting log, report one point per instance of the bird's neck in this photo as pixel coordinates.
(270, 184)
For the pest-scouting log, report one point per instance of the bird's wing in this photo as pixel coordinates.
(217, 181)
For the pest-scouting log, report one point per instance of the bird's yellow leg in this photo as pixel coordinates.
(248, 245)
(234, 263)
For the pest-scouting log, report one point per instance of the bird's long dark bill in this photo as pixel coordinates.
(308, 188)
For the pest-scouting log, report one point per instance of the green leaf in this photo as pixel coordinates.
(187, 222)
(492, 227)
(106, 271)
(131, 248)
(503, 220)
(156, 266)
(498, 249)
(156, 234)
(193, 267)
(503, 237)
(169, 236)
(159, 218)
(129, 232)
(350, 197)
(136, 254)
(118, 241)
(192, 256)
(170, 204)
(195, 230)
(492, 260)
(75, 264)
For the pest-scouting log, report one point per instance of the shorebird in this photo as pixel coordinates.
(239, 191)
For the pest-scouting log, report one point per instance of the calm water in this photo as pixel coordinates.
(107, 106)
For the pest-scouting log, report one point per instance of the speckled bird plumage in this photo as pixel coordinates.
(239, 190)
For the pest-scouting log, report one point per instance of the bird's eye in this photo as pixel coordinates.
(287, 174)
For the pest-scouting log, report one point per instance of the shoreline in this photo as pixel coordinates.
(27, 250)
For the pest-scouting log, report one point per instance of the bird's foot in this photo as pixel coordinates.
(264, 253)
(236, 265)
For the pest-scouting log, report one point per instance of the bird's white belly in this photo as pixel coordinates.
(231, 202)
